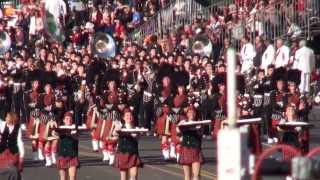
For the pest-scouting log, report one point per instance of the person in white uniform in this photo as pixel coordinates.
(282, 55)
(268, 55)
(247, 54)
(305, 62)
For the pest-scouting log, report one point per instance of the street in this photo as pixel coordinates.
(155, 168)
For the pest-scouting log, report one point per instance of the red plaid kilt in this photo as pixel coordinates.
(125, 161)
(7, 159)
(160, 125)
(215, 127)
(174, 134)
(42, 132)
(273, 130)
(89, 119)
(67, 162)
(42, 129)
(190, 155)
(30, 126)
(104, 127)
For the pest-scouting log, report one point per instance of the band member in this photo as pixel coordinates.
(267, 113)
(257, 94)
(11, 144)
(292, 135)
(219, 107)
(4, 98)
(162, 127)
(279, 100)
(245, 111)
(35, 127)
(48, 118)
(81, 94)
(127, 157)
(191, 156)
(180, 102)
(68, 160)
(108, 113)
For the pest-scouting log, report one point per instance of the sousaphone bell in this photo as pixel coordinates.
(5, 42)
(104, 45)
(201, 45)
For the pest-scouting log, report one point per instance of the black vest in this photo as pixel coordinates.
(191, 139)
(127, 144)
(68, 146)
(9, 140)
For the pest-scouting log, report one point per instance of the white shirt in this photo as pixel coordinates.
(304, 60)
(247, 54)
(19, 138)
(282, 56)
(267, 57)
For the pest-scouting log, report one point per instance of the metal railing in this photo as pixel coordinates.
(13, 3)
(286, 19)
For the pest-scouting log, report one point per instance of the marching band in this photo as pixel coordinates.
(51, 94)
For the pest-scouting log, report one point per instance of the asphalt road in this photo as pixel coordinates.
(92, 167)
(155, 168)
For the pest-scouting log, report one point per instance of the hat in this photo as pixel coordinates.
(112, 75)
(241, 84)
(280, 74)
(165, 70)
(181, 78)
(219, 79)
(294, 76)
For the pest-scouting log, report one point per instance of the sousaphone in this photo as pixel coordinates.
(5, 42)
(202, 45)
(104, 45)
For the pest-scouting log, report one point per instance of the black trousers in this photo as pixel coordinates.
(145, 114)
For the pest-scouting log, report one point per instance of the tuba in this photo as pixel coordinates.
(104, 45)
(5, 42)
(201, 45)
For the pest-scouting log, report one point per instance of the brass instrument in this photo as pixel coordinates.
(104, 45)
(201, 45)
(5, 42)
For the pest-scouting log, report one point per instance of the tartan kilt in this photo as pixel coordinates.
(67, 162)
(104, 127)
(190, 155)
(110, 145)
(31, 124)
(7, 159)
(96, 133)
(160, 125)
(174, 134)
(273, 129)
(42, 129)
(42, 132)
(89, 119)
(125, 161)
(215, 127)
